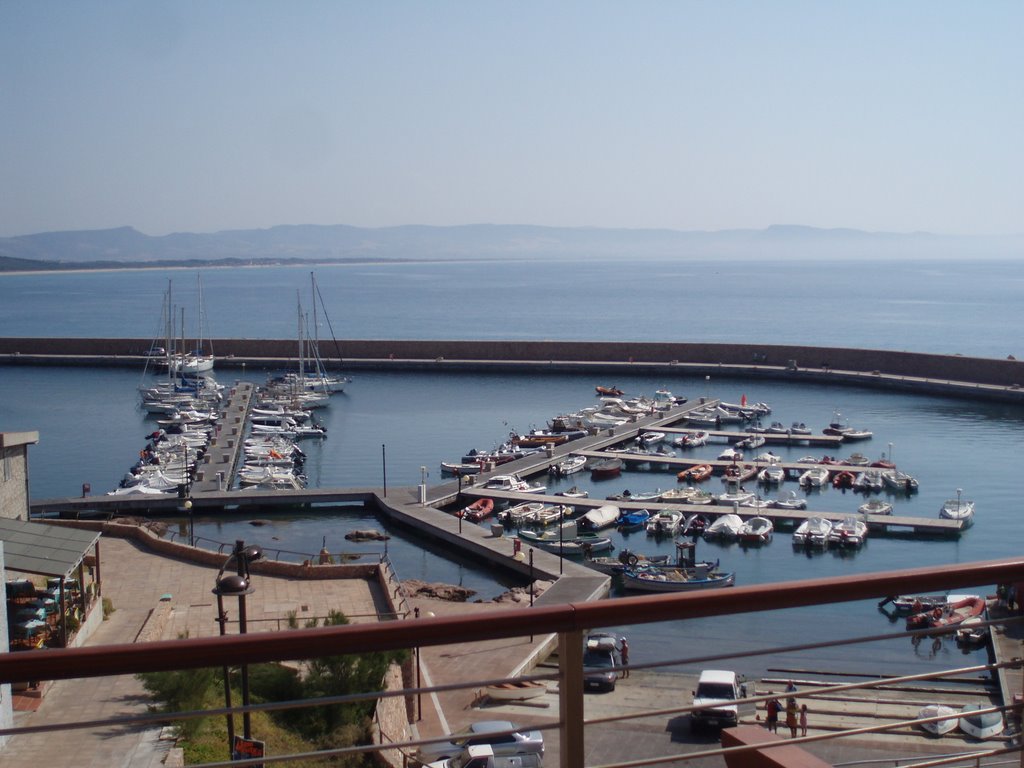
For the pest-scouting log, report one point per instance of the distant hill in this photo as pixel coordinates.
(312, 243)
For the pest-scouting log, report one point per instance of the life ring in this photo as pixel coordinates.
(632, 560)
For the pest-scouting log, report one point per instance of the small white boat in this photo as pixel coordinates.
(754, 441)
(849, 532)
(691, 440)
(771, 475)
(958, 509)
(522, 514)
(513, 483)
(815, 477)
(869, 480)
(569, 466)
(731, 454)
(813, 532)
(938, 727)
(789, 500)
(602, 517)
(647, 439)
(574, 493)
(875, 507)
(899, 481)
(980, 725)
(738, 496)
(756, 530)
(725, 527)
(664, 523)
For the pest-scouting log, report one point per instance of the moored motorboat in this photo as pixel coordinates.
(899, 481)
(848, 532)
(815, 477)
(739, 473)
(629, 521)
(725, 527)
(695, 474)
(756, 530)
(608, 391)
(958, 509)
(789, 500)
(664, 523)
(813, 532)
(605, 468)
(875, 507)
(479, 510)
(602, 517)
(613, 565)
(568, 466)
(771, 475)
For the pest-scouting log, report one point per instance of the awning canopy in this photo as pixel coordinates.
(45, 550)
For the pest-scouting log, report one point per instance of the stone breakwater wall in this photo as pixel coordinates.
(354, 354)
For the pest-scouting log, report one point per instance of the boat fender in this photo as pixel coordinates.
(632, 560)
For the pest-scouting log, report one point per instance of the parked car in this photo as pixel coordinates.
(716, 694)
(602, 652)
(482, 756)
(156, 352)
(515, 742)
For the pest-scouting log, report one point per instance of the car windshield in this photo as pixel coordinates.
(714, 691)
(592, 659)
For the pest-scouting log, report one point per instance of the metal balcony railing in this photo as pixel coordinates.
(567, 732)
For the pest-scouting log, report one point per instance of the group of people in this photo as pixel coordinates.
(796, 717)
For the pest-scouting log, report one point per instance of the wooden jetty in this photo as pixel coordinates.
(782, 518)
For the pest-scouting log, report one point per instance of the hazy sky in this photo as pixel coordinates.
(203, 116)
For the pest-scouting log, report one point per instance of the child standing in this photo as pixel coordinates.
(803, 719)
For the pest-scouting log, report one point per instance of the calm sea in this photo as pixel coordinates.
(91, 427)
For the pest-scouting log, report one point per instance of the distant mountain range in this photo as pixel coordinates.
(125, 246)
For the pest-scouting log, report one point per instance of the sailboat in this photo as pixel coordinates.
(195, 361)
(312, 375)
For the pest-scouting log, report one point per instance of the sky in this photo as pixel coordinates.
(202, 116)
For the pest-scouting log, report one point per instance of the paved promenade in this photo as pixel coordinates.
(135, 581)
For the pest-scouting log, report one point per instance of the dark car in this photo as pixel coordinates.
(601, 654)
(156, 352)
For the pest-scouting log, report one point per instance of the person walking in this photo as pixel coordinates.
(803, 719)
(625, 657)
(792, 719)
(771, 714)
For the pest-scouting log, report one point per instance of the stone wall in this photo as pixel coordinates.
(13, 480)
(357, 353)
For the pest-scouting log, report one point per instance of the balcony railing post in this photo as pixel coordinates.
(570, 698)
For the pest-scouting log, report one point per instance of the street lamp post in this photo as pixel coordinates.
(237, 584)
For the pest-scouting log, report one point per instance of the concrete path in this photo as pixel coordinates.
(135, 581)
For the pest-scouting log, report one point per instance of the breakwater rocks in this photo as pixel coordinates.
(456, 594)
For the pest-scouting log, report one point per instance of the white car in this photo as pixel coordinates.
(482, 756)
(716, 695)
(515, 742)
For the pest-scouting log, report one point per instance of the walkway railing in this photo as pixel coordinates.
(570, 728)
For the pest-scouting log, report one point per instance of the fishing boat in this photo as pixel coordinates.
(958, 509)
(614, 565)
(516, 690)
(522, 514)
(608, 391)
(980, 725)
(739, 473)
(938, 727)
(676, 579)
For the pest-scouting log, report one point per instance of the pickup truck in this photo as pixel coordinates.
(716, 695)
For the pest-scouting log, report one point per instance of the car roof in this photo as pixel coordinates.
(488, 726)
(717, 676)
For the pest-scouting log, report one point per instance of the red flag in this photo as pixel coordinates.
(743, 400)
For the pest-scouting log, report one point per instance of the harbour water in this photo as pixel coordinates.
(91, 427)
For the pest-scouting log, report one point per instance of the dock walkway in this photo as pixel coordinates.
(217, 470)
